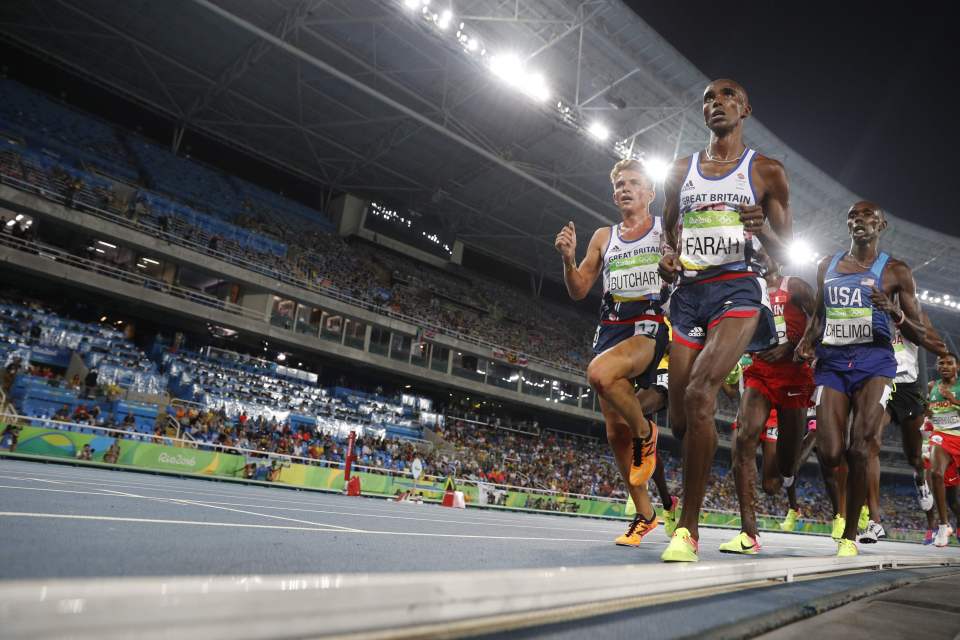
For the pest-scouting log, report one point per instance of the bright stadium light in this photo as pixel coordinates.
(509, 68)
(443, 21)
(411, 4)
(536, 87)
(656, 168)
(599, 131)
(799, 252)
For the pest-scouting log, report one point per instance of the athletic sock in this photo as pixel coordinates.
(788, 481)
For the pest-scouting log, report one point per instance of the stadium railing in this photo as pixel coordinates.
(62, 257)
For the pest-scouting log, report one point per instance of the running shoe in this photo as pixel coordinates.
(924, 497)
(682, 547)
(644, 458)
(742, 543)
(671, 516)
(872, 533)
(847, 548)
(942, 537)
(864, 518)
(839, 524)
(790, 522)
(928, 538)
(635, 532)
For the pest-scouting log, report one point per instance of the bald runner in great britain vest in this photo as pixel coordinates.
(718, 202)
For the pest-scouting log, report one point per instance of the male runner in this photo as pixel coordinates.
(631, 336)
(717, 201)
(654, 400)
(852, 334)
(944, 399)
(906, 407)
(773, 384)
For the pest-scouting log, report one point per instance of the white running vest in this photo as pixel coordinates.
(630, 266)
(713, 239)
(906, 353)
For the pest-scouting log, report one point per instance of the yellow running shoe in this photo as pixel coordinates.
(671, 516)
(682, 547)
(847, 548)
(742, 543)
(864, 518)
(644, 458)
(839, 524)
(790, 522)
(638, 528)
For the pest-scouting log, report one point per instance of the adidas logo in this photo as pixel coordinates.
(615, 247)
(696, 332)
(687, 186)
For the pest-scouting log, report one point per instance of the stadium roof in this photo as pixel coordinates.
(374, 97)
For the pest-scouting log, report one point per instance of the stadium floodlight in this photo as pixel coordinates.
(799, 252)
(411, 4)
(281, 357)
(599, 131)
(444, 19)
(656, 168)
(536, 87)
(507, 67)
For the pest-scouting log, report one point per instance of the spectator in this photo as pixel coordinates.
(86, 453)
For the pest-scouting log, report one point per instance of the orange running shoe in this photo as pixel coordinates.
(638, 528)
(644, 457)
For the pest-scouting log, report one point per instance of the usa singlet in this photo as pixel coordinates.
(851, 318)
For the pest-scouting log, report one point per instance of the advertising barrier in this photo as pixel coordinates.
(186, 460)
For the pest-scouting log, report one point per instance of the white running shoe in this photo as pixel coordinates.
(942, 538)
(872, 533)
(924, 496)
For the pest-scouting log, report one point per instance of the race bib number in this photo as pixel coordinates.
(781, 324)
(646, 328)
(634, 277)
(711, 239)
(848, 325)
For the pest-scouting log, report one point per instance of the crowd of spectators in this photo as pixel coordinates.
(463, 303)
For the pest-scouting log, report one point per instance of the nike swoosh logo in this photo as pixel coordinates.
(794, 394)
(745, 547)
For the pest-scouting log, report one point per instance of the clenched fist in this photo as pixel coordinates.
(566, 243)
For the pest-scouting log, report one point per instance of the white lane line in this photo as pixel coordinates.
(321, 529)
(488, 523)
(249, 513)
(67, 516)
(326, 499)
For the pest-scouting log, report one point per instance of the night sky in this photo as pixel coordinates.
(864, 95)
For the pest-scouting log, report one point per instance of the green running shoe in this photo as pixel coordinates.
(839, 524)
(847, 548)
(742, 543)
(790, 522)
(682, 547)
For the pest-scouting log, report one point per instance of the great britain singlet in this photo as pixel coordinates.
(851, 318)
(631, 283)
(945, 415)
(713, 241)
